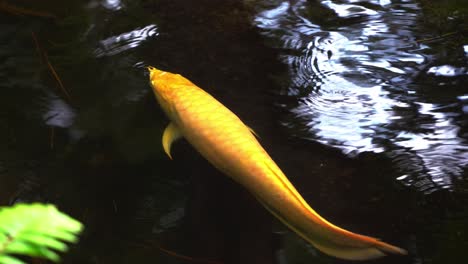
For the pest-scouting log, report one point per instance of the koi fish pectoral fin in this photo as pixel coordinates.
(171, 134)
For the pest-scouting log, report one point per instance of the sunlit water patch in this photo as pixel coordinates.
(59, 113)
(113, 5)
(447, 71)
(357, 84)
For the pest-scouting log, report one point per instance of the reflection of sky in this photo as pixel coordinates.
(444, 152)
(126, 41)
(59, 113)
(464, 100)
(113, 5)
(268, 18)
(357, 79)
(346, 10)
(447, 71)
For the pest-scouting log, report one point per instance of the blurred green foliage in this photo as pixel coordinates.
(35, 230)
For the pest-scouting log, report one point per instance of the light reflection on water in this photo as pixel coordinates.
(112, 4)
(347, 10)
(59, 113)
(116, 44)
(355, 86)
(447, 71)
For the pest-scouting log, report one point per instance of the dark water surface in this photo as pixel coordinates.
(359, 102)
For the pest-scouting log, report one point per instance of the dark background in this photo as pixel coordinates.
(79, 128)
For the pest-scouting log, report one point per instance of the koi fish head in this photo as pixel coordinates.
(164, 85)
(161, 81)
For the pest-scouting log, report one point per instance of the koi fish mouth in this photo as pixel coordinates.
(153, 75)
(155, 72)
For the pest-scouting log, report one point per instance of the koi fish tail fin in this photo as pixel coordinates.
(332, 240)
(338, 242)
(363, 248)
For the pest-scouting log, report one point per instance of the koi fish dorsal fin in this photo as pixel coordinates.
(253, 132)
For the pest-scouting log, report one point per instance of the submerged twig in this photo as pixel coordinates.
(45, 59)
(15, 10)
(57, 78)
(436, 38)
(177, 255)
(187, 258)
(52, 137)
(115, 205)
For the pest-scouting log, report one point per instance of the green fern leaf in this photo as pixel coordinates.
(10, 260)
(35, 230)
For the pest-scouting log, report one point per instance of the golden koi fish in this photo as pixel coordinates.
(229, 145)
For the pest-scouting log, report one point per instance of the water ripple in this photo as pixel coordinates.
(126, 41)
(355, 85)
(113, 5)
(347, 10)
(447, 71)
(59, 113)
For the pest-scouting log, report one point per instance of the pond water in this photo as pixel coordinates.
(362, 104)
(367, 83)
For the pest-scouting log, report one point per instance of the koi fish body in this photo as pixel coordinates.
(229, 145)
